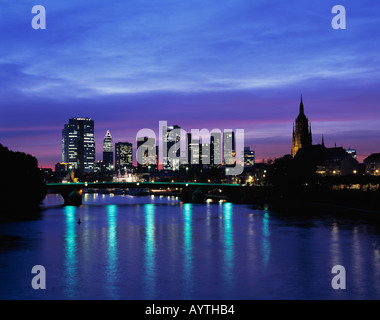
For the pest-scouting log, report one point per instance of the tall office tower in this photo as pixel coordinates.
(78, 144)
(216, 149)
(171, 147)
(146, 152)
(301, 132)
(108, 151)
(65, 144)
(204, 153)
(249, 157)
(229, 147)
(123, 156)
(193, 155)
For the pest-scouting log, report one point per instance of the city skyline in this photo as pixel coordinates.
(193, 148)
(99, 151)
(239, 65)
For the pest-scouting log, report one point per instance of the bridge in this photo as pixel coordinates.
(190, 191)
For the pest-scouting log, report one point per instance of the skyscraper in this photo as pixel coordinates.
(78, 144)
(146, 152)
(216, 149)
(108, 151)
(193, 152)
(171, 147)
(229, 147)
(204, 153)
(65, 143)
(123, 156)
(301, 132)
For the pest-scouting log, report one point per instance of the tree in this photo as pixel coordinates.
(22, 184)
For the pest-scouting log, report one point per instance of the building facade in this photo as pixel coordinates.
(146, 152)
(108, 152)
(372, 164)
(216, 149)
(229, 152)
(123, 156)
(249, 157)
(78, 144)
(171, 147)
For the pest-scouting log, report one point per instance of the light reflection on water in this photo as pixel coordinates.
(70, 251)
(266, 239)
(187, 252)
(150, 249)
(159, 248)
(228, 246)
(112, 266)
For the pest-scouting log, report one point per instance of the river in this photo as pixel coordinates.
(152, 247)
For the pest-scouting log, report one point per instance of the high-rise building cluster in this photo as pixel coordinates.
(176, 149)
(78, 150)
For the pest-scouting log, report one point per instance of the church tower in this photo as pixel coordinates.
(301, 132)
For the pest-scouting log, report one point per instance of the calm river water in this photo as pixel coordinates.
(159, 248)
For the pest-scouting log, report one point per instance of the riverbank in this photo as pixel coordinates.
(352, 203)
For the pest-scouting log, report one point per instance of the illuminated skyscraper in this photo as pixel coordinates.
(108, 151)
(204, 153)
(146, 152)
(229, 147)
(193, 155)
(78, 144)
(123, 156)
(216, 149)
(171, 147)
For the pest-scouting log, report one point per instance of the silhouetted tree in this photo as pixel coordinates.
(22, 184)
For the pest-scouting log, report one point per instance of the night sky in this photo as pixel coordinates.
(227, 64)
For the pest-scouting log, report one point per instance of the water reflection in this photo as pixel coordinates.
(357, 263)
(130, 250)
(335, 245)
(376, 268)
(188, 250)
(265, 240)
(112, 267)
(150, 249)
(228, 245)
(70, 251)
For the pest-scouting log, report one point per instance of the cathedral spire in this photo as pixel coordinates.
(301, 106)
(302, 137)
(323, 141)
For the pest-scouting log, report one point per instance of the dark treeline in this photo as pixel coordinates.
(22, 185)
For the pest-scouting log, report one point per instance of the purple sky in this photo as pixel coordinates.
(199, 64)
